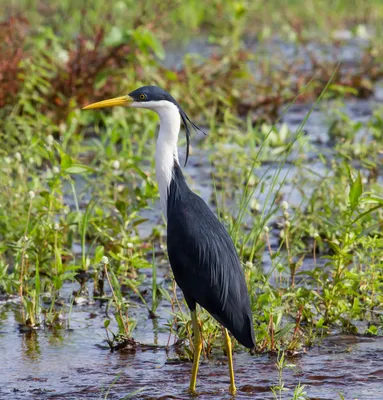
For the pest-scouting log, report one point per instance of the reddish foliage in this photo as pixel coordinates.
(86, 60)
(75, 76)
(89, 60)
(12, 35)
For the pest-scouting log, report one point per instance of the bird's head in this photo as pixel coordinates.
(152, 98)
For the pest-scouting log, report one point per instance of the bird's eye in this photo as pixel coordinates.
(142, 96)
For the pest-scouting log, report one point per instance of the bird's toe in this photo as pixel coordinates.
(193, 392)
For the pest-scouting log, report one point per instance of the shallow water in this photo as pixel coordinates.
(71, 364)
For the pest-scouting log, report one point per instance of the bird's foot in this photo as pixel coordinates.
(192, 392)
(232, 390)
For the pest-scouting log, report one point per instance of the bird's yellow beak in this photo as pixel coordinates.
(125, 101)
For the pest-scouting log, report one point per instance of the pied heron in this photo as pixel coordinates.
(202, 255)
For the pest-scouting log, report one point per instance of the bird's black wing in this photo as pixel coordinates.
(205, 263)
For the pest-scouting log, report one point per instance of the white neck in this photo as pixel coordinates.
(166, 150)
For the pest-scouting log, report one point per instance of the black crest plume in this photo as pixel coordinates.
(186, 121)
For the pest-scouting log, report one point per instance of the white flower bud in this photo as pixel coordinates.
(252, 181)
(56, 170)
(18, 156)
(266, 229)
(129, 245)
(285, 205)
(104, 260)
(62, 127)
(254, 205)
(287, 224)
(50, 140)
(31, 194)
(116, 164)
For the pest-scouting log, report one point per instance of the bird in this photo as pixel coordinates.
(202, 255)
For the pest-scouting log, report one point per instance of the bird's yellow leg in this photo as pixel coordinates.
(197, 352)
(227, 339)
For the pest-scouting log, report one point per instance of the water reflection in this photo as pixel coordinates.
(155, 330)
(30, 346)
(55, 337)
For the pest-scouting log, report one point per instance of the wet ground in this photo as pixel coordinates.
(75, 363)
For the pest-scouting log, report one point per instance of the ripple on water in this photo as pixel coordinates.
(71, 365)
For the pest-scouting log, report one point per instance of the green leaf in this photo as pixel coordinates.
(146, 40)
(66, 162)
(98, 254)
(78, 169)
(343, 89)
(68, 276)
(372, 200)
(372, 330)
(140, 221)
(356, 190)
(356, 308)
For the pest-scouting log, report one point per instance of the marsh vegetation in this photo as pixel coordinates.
(292, 100)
